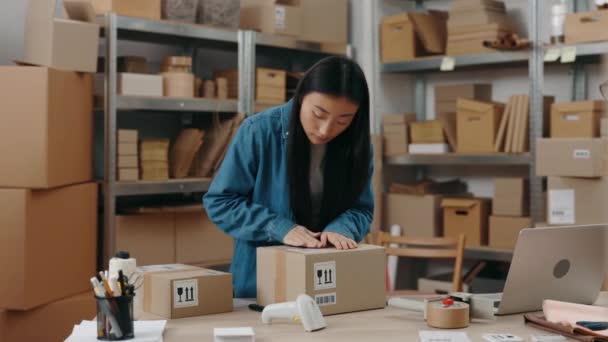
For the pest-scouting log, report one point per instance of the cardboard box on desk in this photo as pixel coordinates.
(50, 322)
(48, 244)
(66, 44)
(187, 293)
(468, 216)
(504, 230)
(577, 201)
(511, 197)
(149, 9)
(477, 125)
(586, 27)
(46, 127)
(325, 21)
(576, 119)
(571, 157)
(327, 275)
(418, 216)
(272, 16)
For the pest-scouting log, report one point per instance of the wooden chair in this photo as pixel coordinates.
(427, 248)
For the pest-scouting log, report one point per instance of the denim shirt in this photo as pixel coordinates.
(249, 199)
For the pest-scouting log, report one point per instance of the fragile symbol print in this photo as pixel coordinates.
(185, 293)
(325, 273)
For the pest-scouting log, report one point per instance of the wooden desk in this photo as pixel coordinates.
(376, 325)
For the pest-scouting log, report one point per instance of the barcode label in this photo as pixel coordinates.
(582, 154)
(326, 299)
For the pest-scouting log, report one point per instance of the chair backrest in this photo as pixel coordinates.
(427, 248)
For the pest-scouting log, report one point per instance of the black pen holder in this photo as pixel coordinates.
(115, 318)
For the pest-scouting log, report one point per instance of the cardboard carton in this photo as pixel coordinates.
(427, 132)
(198, 240)
(150, 9)
(469, 217)
(149, 237)
(577, 201)
(50, 322)
(272, 16)
(504, 230)
(585, 27)
(570, 157)
(447, 95)
(477, 125)
(325, 21)
(396, 133)
(418, 216)
(128, 162)
(66, 44)
(130, 84)
(326, 275)
(511, 197)
(46, 127)
(576, 119)
(128, 174)
(127, 136)
(48, 244)
(187, 293)
(127, 149)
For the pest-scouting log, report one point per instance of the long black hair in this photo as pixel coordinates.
(346, 169)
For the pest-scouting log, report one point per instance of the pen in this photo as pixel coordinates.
(121, 282)
(106, 285)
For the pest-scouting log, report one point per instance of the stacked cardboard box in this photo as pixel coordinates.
(428, 137)
(477, 125)
(128, 155)
(472, 22)
(468, 216)
(510, 210)
(270, 85)
(586, 27)
(154, 159)
(396, 133)
(48, 240)
(446, 96)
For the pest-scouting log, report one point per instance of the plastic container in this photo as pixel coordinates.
(115, 318)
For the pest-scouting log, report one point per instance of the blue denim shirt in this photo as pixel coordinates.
(249, 198)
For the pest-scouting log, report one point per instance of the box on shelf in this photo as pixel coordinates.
(128, 162)
(178, 84)
(65, 44)
(586, 27)
(127, 149)
(226, 13)
(270, 84)
(418, 216)
(272, 16)
(187, 293)
(325, 21)
(46, 127)
(446, 96)
(139, 85)
(396, 133)
(511, 197)
(572, 157)
(576, 119)
(504, 230)
(477, 125)
(154, 150)
(468, 216)
(198, 240)
(128, 136)
(149, 9)
(430, 187)
(427, 132)
(428, 148)
(180, 10)
(149, 237)
(406, 36)
(577, 201)
(128, 174)
(284, 272)
(40, 226)
(50, 322)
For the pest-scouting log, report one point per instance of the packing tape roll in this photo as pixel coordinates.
(128, 267)
(455, 316)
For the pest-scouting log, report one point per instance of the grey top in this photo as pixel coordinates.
(317, 156)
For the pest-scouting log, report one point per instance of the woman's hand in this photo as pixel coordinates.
(339, 241)
(302, 237)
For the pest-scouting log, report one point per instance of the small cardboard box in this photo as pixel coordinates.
(149, 9)
(128, 149)
(570, 157)
(446, 96)
(272, 16)
(469, 217)
(130, 84)
(396, 133)
(576, 119)
(128, 174)
(504, 230)
(409, 35)
(51, 322)
(326, 275)
(586, 27)
(325, 21)
(198, 240)
(149, 237)
(187, 293)
(477, 125)
(427, 132)
(511, 197)
(66, 44)
(46, 127)
(128, 162)
(418, 216)
(127, 136)
(577, 201)
(41, 230)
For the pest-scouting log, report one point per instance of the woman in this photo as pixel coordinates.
(298, 174)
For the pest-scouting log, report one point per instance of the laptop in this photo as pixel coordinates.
(566, 264)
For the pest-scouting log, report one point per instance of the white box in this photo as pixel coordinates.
(140, 85)
(429, 148)
(233, 335)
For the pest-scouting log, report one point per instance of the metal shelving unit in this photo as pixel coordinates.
(190, 37)
(460, 159)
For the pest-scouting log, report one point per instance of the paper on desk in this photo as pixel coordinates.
(145, 331)
(443, 336)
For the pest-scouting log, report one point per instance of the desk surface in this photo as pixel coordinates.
(375, 325)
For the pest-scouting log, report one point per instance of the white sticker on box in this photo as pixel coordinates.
(280, 17)
(572, 117)
(326, 299)
(561, 207)
(582, 154)
(185, 293)
(325, 275)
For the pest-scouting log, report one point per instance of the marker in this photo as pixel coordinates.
(97, 288)
(106, 285)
